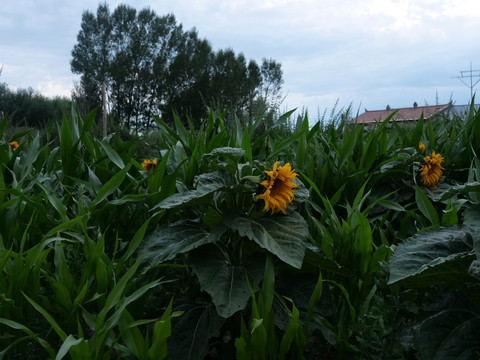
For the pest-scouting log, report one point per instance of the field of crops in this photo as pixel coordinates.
(329, 242)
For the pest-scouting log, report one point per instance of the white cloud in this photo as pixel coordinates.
(52, 88)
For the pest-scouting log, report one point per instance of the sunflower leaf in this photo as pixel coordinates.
(449, 334)
(228, 152)
(283, 235)
(435, 256)
(166, 242)
(225, 282)
(207, 185)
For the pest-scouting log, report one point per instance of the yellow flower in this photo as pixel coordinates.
(13, 145)
(279, 188)
(421, 146)
(149, 165)
(432, 169)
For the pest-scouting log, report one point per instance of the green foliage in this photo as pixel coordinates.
(102, 259)
(26, 108)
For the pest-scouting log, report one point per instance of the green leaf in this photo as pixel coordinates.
(246, 144)
(48, 317)
(443, 192)
(437, 256)
(234, 154)
(17, 326)
(207, 184)
(135, 242)
(161, 331)
(66, 225)
(471, 216)
(54, 201)
(192, 332)
(426, 207)
(224, 281)
(168, 241)
(283, 235)
(67, 344)
(450, 334)
(112, 154)
(289, 334)
(301, 192)
(110, 186)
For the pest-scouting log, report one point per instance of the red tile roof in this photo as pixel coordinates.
(402, 114)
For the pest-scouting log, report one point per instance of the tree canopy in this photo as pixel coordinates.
(151, 65)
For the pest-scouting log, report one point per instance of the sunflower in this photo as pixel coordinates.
(149, 165)
(421, 147)
(279, 188)
(432, 169)
(13, 145)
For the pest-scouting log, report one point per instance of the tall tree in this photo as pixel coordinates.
(92, 55)
(152, 66)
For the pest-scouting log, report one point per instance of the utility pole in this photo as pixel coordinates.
(471, 74)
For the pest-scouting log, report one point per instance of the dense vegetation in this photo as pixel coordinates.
(102, 257)
(27, 108)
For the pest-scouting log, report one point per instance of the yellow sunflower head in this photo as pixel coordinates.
(278, 188)
(149, 165)
(421, 147)
(432, 169)
(13, 145)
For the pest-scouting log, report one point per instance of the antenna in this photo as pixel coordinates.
(471, 74)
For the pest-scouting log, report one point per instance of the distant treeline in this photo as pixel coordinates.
(25, 107)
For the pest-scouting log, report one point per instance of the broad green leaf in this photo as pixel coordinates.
(112, 154)
(471, 216)
(193, 330)
(168, 241)
(426, 207)
(234, 154)
(450, 334)
(443, 192)
(437, 256)
(301, 192)
(283, 235)
(224, 281)
(207, 184)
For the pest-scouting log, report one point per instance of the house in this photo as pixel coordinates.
(404, 115)
(460, 110)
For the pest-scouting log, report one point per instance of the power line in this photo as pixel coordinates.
(471, 74)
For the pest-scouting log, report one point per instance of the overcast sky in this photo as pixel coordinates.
(366, 53)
